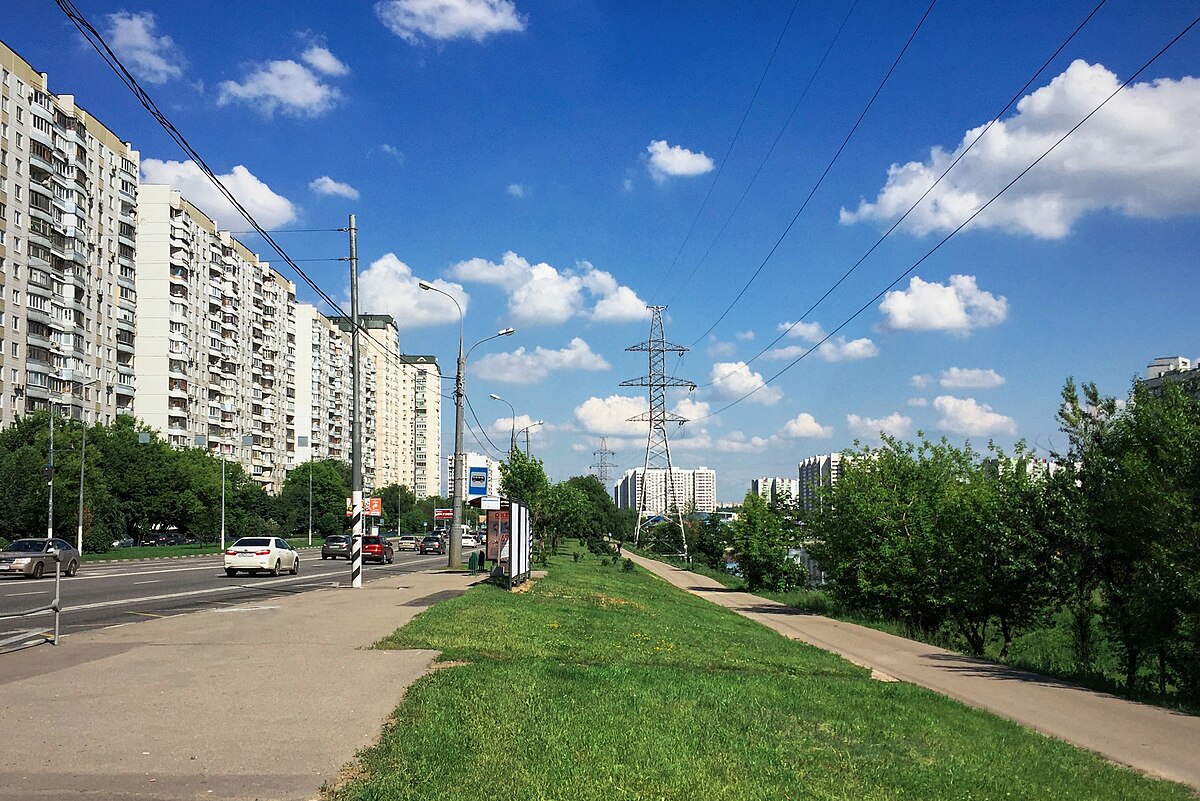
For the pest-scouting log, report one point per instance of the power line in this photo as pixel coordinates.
(964, 223)
(896, 224)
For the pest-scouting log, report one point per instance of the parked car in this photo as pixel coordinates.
(124, 542)
(336, 546)
(376, 549)
(35, 557)
(254, 554)
(432, 544)
(408, 542)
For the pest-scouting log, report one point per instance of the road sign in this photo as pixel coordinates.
(375, 507)
(477, 485)
(443, 514)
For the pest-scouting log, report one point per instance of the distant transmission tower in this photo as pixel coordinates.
(601, 467)
(658, 449)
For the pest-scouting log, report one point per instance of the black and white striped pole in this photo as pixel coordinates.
(356, 477)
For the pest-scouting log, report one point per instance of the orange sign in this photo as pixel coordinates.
(375, 507)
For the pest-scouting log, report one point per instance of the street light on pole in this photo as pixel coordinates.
(512, 437)
(82, 456)
(534, 424)
(455, 557)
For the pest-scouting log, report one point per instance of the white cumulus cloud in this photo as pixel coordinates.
(895, 424)
(529, 367)
(735, 379)
(929, 306)
(539, 294)
(150, 57)
(667, 161)
(921, 381)
(968, 417)
(970, 378)
(918, 402)
(270, 209)
(327, 186)
(1139, 156)
(805, 426)
(515, 190)
(388, 286)
(443, 20)
(839, 350)
(611, 415)
(809, 332)
(288, 86)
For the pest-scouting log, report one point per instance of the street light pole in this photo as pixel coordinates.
(534, 424)
(50, 476)
(512, 437)
(310, 498)
(82, 457)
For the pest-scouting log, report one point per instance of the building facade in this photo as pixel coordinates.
(775, 488)
(815, 472)
(690, 490)
(421, 402)
(215, 348)
(68, 208)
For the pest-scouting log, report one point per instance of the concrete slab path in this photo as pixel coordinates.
(255, 701)
(1156, 741)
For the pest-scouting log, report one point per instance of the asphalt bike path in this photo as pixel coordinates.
(1156, 741)
(265, 699)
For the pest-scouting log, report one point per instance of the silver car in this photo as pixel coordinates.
(34, 558)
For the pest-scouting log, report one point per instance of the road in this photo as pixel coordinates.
(113, 593)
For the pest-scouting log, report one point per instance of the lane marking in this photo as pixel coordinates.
(151, 581)
(145, 614)
(31, 592)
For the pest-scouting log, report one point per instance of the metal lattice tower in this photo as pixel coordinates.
(601, 467)
(658, 449)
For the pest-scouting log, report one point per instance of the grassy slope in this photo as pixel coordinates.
(602, 684)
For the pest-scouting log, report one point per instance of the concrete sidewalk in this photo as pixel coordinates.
(254, 701)
(1157, 741)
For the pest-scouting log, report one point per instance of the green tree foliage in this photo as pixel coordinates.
(760, 541)
(565, 512)
(707, 541)
(330, 489)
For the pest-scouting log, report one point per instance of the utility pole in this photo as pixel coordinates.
(356, 476)
(658, 449)
(601, 467)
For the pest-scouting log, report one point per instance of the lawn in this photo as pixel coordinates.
(599, 683)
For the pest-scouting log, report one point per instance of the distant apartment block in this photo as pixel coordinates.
(1174, 369)
(688, 490)
(774, 488)
(421, 414)
(816, 472)
(215, 349)
(68, 207)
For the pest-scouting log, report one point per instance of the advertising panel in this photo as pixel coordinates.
(443, 514)
(375, 507)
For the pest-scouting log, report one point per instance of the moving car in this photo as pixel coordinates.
(408, 543)
(34, 558)
(376, 549)
(254, 554)
(336, 546)
(432, 544)
(470, 541)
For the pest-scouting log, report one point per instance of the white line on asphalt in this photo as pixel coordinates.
(31, 592)
(151, 581)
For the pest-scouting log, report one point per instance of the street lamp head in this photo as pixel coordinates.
(424, 285)
(494, 396)
(506, 332)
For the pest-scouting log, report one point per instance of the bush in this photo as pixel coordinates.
(628, 566)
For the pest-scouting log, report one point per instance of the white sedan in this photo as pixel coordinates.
(470, 541)
(253, 554)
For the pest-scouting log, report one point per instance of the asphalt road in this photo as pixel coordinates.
(113, 593)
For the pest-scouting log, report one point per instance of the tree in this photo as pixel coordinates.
(760, 542)
(564, 511)
(330, 488)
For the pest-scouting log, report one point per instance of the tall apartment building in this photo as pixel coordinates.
(690, 490)
(471, 459)
(818, 471)
(68, 206)
(215, 349)
(323, 393)
(420, 454)
(774, 488)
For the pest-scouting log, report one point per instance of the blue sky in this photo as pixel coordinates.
(557, 166)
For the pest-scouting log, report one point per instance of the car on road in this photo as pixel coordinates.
(35, 557)
(432, 544)
(408, 542)
(376, 549)
(261, 554)
(470, 541)
(336, 546)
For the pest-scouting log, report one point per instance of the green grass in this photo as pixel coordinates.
(603, 684)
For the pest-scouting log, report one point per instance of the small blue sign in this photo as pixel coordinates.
(477, 485)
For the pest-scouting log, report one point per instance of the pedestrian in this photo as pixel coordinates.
(618, 547)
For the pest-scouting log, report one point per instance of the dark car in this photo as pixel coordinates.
(35, 557)
(432, 544)
(336, 546)
(376, 549)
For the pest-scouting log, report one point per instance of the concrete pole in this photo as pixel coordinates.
(455, 558)
(356, 476)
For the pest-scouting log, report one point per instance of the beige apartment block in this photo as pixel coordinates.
(68, 207)
(420, 453)
(216, 340)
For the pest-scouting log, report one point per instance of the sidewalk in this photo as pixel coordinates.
(256, 701)
(1156, 741)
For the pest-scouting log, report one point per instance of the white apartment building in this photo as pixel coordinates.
(379, 342)
(774, 488)
(818, 471)
(323, 393)
(471, 459)
(689, 490)
(420, 453)
(68, 206)
(216, 339)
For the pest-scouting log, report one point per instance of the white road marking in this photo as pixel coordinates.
(31, 592)
(151, 581)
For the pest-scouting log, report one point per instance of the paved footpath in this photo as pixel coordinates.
(1156, 741)
(253, 701)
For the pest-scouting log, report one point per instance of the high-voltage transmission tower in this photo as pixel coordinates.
(658, 449)
(601, 467)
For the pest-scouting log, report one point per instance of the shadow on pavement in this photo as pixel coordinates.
(971, 666)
